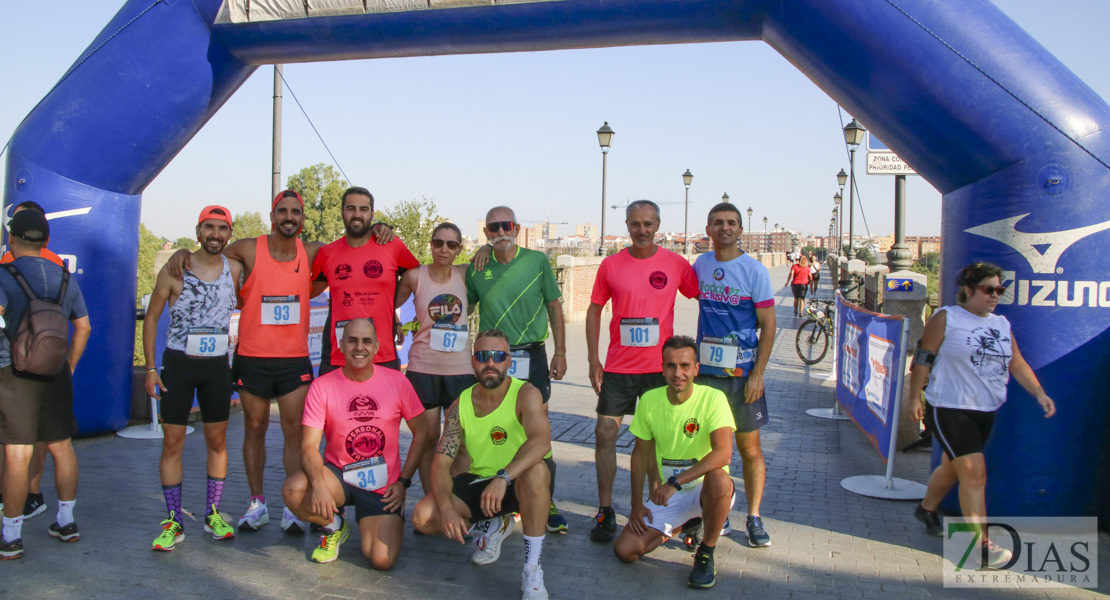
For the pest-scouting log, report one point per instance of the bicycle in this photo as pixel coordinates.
(816, 333)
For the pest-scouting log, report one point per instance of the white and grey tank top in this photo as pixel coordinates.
(201, 304)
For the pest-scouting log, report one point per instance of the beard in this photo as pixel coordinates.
(357, 230)
(492, 379)
(281, 229)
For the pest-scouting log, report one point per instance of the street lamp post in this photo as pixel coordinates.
(839, 229)
(750, 211)
(605, 138)
(687, 179)
(853, 136)
(766, 240)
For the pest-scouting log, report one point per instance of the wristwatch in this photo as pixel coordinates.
(405, 481)
(673, 480)
(503, 474)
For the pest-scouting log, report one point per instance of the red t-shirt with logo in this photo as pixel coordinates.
(362, 419)
(363, 284)
(641, 288)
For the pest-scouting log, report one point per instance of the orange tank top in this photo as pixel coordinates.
(274, 319)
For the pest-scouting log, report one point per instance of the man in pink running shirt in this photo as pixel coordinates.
(641, 281)
(357, 410)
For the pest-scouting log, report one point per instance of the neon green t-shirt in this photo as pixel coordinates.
(514, 297)
(493, 440)
(681, 433)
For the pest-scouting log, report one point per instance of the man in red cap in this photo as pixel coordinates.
(194, 362)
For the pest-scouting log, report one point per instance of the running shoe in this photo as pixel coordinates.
(215, 524)
(930, 519)
(532, 583)
(997, 556)
(35, 506)
(489, 535)
(605, 525)
(757, 535)
(172, 534)
(256, 516)
(328, 550)
(12, 549)
(68, 534)
(291, 524)
(704, 574)
(726, 528)
(555, 522)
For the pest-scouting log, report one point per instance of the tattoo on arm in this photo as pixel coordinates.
(452, 433)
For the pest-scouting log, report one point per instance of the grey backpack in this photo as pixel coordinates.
(41, 342)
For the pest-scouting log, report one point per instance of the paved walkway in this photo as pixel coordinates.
(828, 543)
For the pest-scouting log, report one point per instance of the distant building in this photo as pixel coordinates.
(587, 230)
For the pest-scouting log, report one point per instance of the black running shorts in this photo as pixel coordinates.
(620, 391)
(539, 370)
(270, 377)
(207, 377)
(960, 431)
(749, 417)
(471, 495)
(438, 391)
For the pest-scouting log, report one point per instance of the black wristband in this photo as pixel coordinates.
(382, 223)
(405, 481)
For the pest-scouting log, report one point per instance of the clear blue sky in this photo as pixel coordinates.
(472, 132)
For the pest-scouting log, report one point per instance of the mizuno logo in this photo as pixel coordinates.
(1041, 250)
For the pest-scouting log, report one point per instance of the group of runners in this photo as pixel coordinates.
(492, 462)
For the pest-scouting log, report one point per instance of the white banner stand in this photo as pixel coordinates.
(834, 412)
(887, 486)
(153, 431)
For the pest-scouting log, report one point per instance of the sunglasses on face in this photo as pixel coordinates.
(451, 244)
(505, 226)
(988, 290)
(497, 355)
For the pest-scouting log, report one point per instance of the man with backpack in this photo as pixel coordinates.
(37, 298)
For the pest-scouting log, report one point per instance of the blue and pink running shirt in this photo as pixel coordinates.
(728, 294)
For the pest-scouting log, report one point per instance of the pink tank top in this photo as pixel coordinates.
(442, 304)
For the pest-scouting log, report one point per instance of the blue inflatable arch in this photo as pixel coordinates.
(1018, 146)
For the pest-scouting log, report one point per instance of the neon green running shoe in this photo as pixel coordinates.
(172, 534)
(217, 526)
(328, 550)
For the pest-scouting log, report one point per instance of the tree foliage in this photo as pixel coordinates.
(928, 264)
(413, 222)
(249, 225)
(149, 245)
(322, 190)
(187, 243)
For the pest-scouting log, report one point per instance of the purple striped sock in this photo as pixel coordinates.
(215, 492)
(173, 500)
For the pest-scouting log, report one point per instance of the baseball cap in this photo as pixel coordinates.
(29, 225)
(208, 212)
(287, 194)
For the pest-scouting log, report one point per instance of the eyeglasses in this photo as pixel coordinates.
(497, 355)
(988, 290)
(505, 226)
(451, 244)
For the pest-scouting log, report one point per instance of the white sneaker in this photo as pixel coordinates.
(256, 516)
(488, 537)
(532, 585)
(291, 524)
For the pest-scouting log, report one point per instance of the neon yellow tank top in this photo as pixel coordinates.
(494, 439)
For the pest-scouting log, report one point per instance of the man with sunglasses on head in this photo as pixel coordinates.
(362, 277)
(513, 292)
(504, 428)
(641, 281)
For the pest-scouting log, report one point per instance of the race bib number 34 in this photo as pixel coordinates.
(718, 352)
(369, 474)
(281, 310)
(206, 341)
(639, 333)
(448, 338)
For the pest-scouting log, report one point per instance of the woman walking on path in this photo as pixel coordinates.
(798, 282)
(967, 353)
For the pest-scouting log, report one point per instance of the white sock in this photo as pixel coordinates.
(532, 548)
(65, 512)
(336, 523)
(13, 528)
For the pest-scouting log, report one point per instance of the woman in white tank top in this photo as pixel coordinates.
(967, 353)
